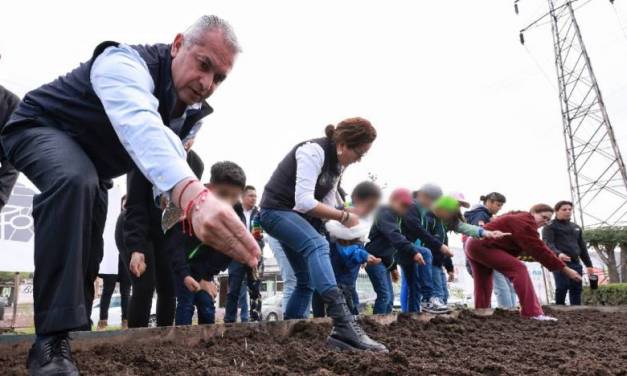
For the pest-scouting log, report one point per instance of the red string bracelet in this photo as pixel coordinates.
(187, 218)
(183, 191)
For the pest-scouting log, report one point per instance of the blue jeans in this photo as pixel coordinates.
(237, 278)
(381, 280)
(440, 280)
(403, 294)
(242, 302)
(564, 285)
(412, 279)
(287, 273)
(185, 302)
(425, 274)
(308, 254)
(424, 280)
(504, 291)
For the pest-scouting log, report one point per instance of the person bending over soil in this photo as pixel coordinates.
(304, 190)
(486, 255)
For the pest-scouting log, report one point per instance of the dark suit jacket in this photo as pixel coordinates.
(8, 174)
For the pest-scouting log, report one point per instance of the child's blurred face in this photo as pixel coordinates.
(424, 200)
(226, 192)
(443, 214)
(366, 206)
(399, 207)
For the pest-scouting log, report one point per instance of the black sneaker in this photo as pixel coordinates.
(51, 356)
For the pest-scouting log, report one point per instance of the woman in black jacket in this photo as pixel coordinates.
(302, 192)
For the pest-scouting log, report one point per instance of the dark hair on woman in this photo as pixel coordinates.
(541, 208)
(452, 223)
(559, 205)
(493, 196)
(228, 172)
(366, 190)
(353, 132)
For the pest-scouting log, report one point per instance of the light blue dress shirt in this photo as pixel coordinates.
(121, 80)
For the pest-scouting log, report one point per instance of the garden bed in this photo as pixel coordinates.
(582, 342)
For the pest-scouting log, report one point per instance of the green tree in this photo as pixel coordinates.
(7, 277)
(605, 240)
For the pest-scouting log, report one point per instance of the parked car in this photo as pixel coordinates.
(272, 308)
(366, 299)
(115, 312)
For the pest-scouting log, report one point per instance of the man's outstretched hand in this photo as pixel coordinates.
(216, 224)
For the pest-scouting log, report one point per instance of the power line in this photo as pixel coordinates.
(620, 23)
(539, 66)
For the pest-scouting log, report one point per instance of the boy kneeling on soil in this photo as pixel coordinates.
(347, 249)
(195, 264)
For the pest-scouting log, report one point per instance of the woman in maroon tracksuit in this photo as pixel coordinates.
(486, 255)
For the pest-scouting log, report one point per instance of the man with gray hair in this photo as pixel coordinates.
(126, 107)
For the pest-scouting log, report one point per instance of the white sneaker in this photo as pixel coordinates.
(544, 318)
(438, 304)
(434, 305)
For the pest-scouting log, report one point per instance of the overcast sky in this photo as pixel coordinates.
(454, 96)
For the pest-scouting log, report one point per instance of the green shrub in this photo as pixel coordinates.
(612, 294)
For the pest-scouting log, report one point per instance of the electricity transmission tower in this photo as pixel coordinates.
(598, 179)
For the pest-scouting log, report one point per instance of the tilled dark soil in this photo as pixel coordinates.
(580, 343)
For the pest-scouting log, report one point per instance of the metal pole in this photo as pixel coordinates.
(546, 285)
(16, 294)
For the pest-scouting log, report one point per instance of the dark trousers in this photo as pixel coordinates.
(318, 309)
(241, 277)
(108, 286)
(381, 280)
(565, 285)
(187, 300)
(238, 276)
(158, 276)
(69, 216)
(8, 177)
(96, 252)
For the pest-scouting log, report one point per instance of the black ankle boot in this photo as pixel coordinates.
(51, 356)
(346, 333)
